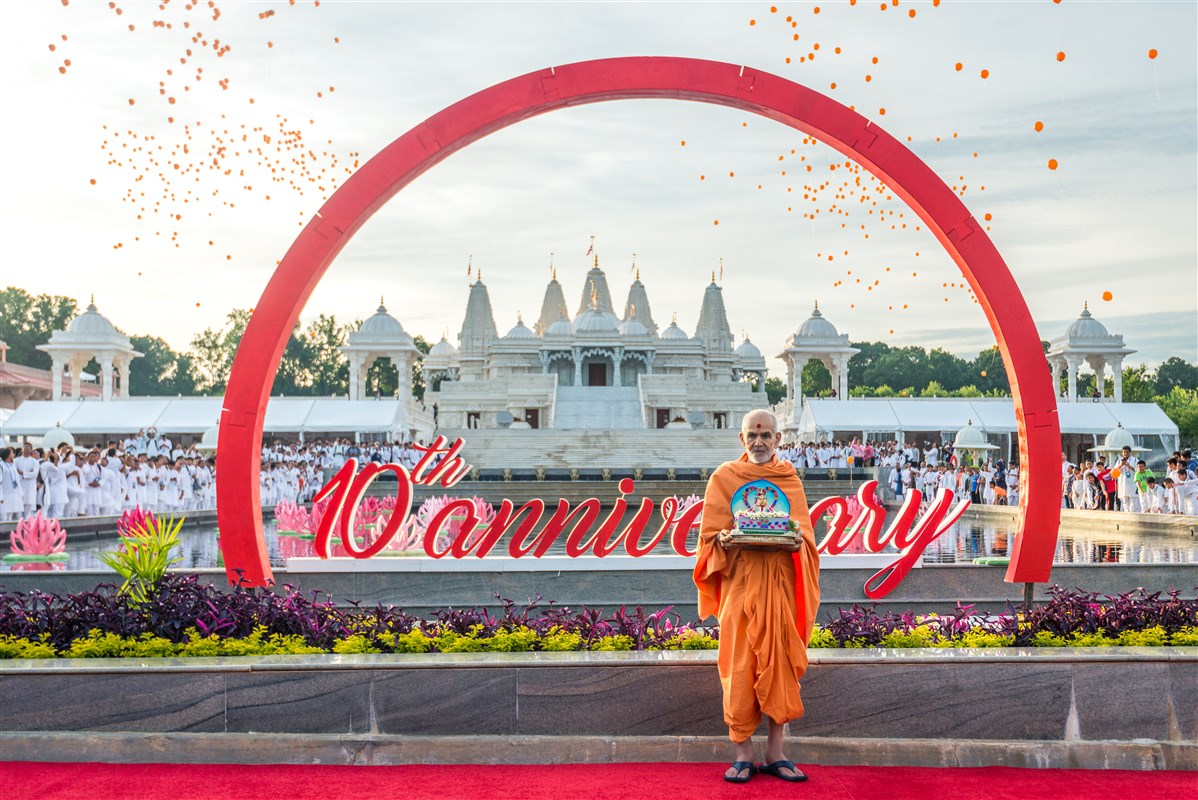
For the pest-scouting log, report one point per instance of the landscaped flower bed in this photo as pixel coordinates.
(184, 618)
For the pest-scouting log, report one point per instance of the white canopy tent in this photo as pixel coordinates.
(191, 416)
(902, 419)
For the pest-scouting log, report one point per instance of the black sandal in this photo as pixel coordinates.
(739, 766)
(776, 768)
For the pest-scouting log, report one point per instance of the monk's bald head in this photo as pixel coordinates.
(759, 435)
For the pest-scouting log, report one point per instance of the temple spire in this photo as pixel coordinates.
(637, 305)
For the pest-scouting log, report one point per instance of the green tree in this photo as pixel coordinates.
(160, 371)
(775, 390)
(1137, 385)
(933, 389)
(948, 370)
(988, 373)
(861, 362)
(817, 381)
(27, 321)
(1176, 371)
(1181, 406)
(902, 366)
(212, 352)
(326, 365)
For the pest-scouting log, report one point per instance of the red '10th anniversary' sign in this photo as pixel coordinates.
(441, 464)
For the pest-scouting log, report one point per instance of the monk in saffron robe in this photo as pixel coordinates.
(765, 599)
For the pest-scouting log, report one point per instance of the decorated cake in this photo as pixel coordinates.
(763, 521)
(761, 514)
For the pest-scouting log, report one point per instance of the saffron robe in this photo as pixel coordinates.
(765, 601)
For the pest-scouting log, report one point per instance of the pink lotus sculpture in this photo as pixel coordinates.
(293, 518)
(452, 529)
(37, 539)
(134, 522)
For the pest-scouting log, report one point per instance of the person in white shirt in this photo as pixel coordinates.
(72, 465)
(92, 494)
(27, 466)
(12, 501)
(54, 479)
(1152, 499)
(112, 487)
(931, 454)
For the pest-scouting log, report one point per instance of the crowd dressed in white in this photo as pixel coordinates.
(902, 467)
(151, 472)
(1125, 483)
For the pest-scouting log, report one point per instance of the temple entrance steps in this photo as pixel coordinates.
(557, 451)
(597, 408)
(588, 455)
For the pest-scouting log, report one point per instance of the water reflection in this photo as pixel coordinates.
(965, 541)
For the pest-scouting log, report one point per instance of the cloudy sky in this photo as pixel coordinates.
(206, 161)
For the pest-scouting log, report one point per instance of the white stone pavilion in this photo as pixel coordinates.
(90, 335)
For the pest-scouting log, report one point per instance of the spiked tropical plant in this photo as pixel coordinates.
(144, 556)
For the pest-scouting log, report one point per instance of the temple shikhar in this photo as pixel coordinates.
(597, 369)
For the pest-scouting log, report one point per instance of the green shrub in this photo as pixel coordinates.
(356, 644)
(984, 638)
(454, 642)
(821, 637)
(557, 640)
(1097, 639)
(900, 639)
(1149, 637)
(111, 645)
(514, 641)
(414, 641)
(1047, 639)
(16, 647)
(1186, 637)
(617, 642)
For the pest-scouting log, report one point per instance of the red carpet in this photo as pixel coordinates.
(45, 781)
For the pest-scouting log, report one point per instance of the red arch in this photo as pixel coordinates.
(402, 161)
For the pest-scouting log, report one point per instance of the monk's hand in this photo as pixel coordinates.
(725, 539)
(794, 546)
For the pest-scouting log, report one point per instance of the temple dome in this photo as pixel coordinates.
(1087, 328)
(443, 349)
(520, 331)
(92, 324)
(596, 320)
(383, 326)
(816, 327)
(674, 332)
(559, 328)
(748, 350)
(633, 328)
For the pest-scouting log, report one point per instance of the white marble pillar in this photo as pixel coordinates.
(56, 368)
(76, 365)
(577, 367)
(403, 374)
(122, 372)
(1057, 366)
(1074, 362)
(617, 357)
(1117, 377)
(105, 377)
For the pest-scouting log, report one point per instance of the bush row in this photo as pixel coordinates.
(261, 643)
(182, 617)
